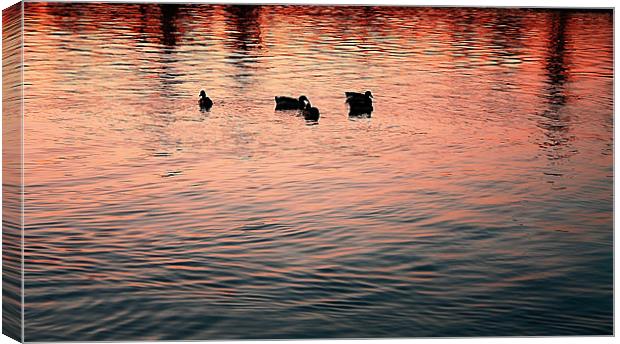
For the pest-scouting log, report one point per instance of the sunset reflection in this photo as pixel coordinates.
(476, 201)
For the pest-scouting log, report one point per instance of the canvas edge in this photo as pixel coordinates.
(12, 172)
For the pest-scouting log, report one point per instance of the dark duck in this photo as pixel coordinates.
(290, 103)
(311, 113)
(205, 102)
(359, 103)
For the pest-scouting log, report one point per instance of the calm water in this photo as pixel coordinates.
(476, 201)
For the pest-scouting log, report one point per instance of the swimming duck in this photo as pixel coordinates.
(311, 113)
(289, 103)
(205, 102)
(358, 95)
(359, 103)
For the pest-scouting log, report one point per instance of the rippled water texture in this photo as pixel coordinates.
(476, 201)
(12, 225)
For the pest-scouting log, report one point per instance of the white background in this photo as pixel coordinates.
(512, 3)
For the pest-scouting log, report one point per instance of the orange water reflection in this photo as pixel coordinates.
(485, 171)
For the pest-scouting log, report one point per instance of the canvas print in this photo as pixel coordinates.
(220, 171)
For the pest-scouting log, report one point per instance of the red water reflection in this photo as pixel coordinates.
(491, 137)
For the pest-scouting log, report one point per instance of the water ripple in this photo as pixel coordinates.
(475, 201)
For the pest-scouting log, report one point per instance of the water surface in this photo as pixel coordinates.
(476, 201)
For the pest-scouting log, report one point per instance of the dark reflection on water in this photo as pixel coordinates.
(555, 122)
(476, 201)
(168, 27)
(244, 39)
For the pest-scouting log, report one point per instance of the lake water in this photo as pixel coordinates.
(476, 201)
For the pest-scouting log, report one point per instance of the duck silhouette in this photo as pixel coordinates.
(311, 113)
(290, 103)
(359, 103)
(205, 102)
